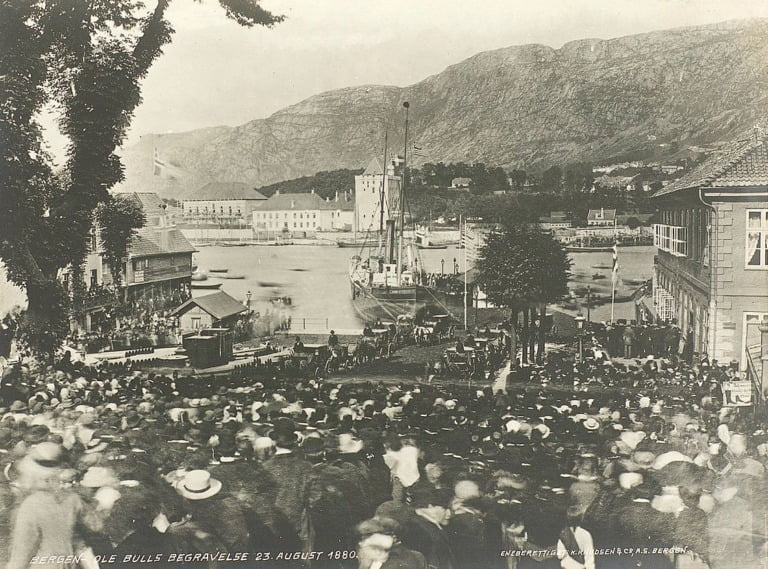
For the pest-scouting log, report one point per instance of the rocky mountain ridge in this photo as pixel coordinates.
(523, 106)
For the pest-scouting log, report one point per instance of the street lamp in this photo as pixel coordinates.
(442, 266)
(455, 266)
(580, 335)
(248, 296)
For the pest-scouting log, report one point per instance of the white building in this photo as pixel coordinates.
(369, 187)
(221, 203)
(302, 214)
(601, 217)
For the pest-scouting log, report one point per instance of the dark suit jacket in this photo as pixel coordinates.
(401, 557)
(425, 537)
(290, 473)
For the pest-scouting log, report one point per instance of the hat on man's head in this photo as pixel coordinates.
(382, 525)
(98, 477)
(198, 485)
(36, 434)
(423, 497)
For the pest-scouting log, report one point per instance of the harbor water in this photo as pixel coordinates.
(315, 278)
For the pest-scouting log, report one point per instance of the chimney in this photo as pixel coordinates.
(312, 191)
(602, 213)
(337, 196)
(277, 192)
(293, 204)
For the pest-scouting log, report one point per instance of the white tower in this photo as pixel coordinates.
(368, 194)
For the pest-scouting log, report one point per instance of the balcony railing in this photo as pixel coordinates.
(153, 274)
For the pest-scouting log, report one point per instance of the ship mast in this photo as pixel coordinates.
(402, 199)
(383, 185)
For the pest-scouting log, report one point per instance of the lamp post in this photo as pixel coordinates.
(589, 300)
(580, 335)
(455, 266)
(248, 296)
(442, 266)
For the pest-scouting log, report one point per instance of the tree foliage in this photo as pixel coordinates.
(85, 60)
(522, 266)
(117, 220)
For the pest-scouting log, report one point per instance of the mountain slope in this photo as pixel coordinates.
(591, 100)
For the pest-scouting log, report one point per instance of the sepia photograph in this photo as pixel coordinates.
(347, 284)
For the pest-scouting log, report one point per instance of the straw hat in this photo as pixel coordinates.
(98, 477)
(198, 485)
(591, 424)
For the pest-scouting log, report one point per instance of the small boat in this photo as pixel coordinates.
(434, 246)
(268, 284)
(218, 270)
(199, 277)
(598, 276)
(601, 266)
(205, 286)
(233, 244)
(354, 243)
(232, 276)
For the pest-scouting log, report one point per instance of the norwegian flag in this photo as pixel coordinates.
(615, 272)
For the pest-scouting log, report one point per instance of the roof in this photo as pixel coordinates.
(226, 191)
(343, 201)
(219, 305)
(151, 203)
(303, 201)
(601, 214)
(462, 181)
(374, 168)
(742, 163)
(153, 241)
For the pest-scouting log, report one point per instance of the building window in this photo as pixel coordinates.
(757, 238)
(670, 238)
(197, 322)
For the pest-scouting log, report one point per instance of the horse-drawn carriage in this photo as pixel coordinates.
(459, 360)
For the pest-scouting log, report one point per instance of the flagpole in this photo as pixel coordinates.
(465, 287)
(614, 277)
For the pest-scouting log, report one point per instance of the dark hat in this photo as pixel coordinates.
(423, 496)
(382, 525)
(36, 434)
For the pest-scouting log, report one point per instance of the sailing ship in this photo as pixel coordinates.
(388, 281)
(387, 278)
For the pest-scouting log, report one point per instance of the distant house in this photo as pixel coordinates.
(217, 310)
(671, 168)
(601, 217)
(375, 188)
(159, 263)
(228, 203)
(555, 220)
(303, 214)
(460, 183)
(158, 267)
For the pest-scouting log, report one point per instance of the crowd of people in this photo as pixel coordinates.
(586, 464)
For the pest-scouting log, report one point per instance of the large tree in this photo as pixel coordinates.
(84, 60)
(523, 269)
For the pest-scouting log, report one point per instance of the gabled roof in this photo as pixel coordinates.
(151, 203)
(153, 241)
(303, 202)
(742, 163)
(601, 214)
(226, 191)
(374, 168)
(219, 305)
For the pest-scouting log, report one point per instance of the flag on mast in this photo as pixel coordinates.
(615, 272)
